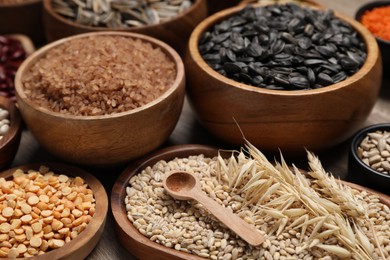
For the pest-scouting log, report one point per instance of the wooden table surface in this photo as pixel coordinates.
(188, 130)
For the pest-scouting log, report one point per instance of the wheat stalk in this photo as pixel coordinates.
(321, 206)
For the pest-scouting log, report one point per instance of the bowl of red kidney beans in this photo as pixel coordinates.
(13, 50)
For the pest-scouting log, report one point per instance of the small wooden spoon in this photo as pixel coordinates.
(185, 186)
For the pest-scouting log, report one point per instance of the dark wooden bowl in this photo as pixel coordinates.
(23, 18)
(130, 238)
(280, 119)
(218, 5)
(81, 246)
(9, 144)
(175, 32)
(106, 140)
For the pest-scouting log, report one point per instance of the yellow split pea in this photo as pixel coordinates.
(41, 211)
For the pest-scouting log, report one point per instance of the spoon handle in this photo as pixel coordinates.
(246, 231)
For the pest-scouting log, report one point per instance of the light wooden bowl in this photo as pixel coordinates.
(83, 244)
(130, 238)
(9, 144)
(107, 140)
(272, 119)
(23, 18)
(175, 32)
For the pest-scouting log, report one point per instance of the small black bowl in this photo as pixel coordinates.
(361, 173)
(384, 45)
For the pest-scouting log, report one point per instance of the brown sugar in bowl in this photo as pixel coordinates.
(175, 32)
(271, 119)
(83, 244)
(9, 144)
(104, 140)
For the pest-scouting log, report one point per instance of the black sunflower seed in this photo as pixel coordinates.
(311, 76)
(254, 50)
(284, 47)
(299, 81)
(311, 62)
(305, 43)
(339, 77)
(257, 80)
(324, 79)
(231, 68)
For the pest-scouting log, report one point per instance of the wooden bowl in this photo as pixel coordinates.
(129, 237)
(384, 45)
(271, 119)
(175, 32)
(9, 144)
(106, 140)
(83, 244)
(23, 18)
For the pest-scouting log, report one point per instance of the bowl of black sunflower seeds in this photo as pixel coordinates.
(283, 76)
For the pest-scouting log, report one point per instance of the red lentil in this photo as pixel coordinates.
(377, 21)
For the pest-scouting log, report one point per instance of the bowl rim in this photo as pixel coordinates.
(38, 54)
(15, 119)
(118, 193)
(369, 40)
(24, 3)
(367, 7)
(47, 6)
(94, 228)
(358, 137)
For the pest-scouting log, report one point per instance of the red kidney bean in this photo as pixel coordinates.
(12, 55)
(2, 73)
